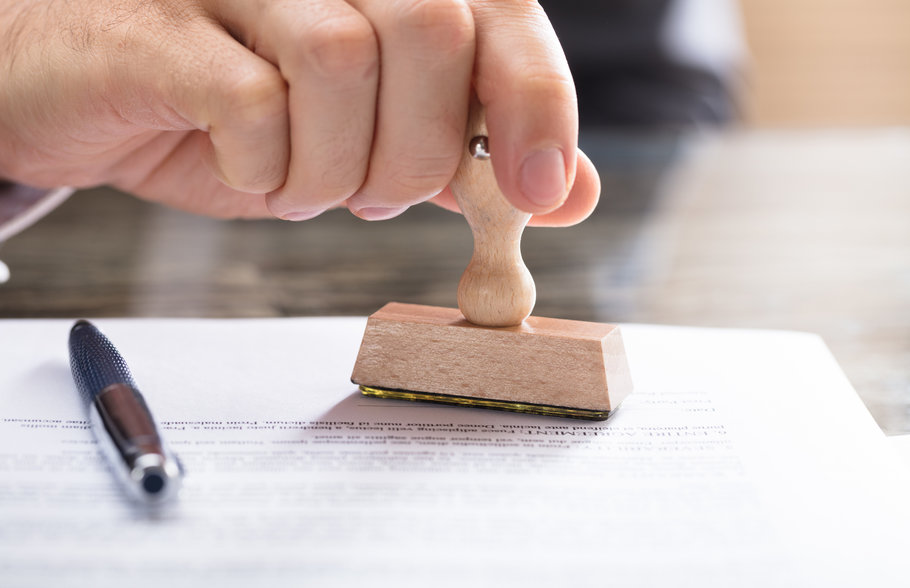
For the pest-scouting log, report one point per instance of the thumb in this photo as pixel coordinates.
(530, 102)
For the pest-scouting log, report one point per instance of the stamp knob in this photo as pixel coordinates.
(496, 289)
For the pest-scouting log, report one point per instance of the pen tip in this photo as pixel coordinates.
(153, 482)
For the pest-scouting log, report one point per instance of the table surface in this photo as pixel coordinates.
(800, 230)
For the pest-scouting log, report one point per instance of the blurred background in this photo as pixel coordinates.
(762, 63)
(755, 159)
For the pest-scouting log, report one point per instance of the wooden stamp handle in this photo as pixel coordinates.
(496, 290)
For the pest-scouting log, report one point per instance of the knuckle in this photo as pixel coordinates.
(544, 78)
(328, 192)
(445, 25)
(539, 74)
(533, 83)
(311, 189)
(527, 6)
(417, 178)
(270, 176)
(252, 95)
(337, 184)
(343, 45)
(341, 170)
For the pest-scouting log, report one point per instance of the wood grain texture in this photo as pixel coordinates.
(546, 361)
(496, 289)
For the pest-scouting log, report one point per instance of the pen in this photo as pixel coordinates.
(120, 418)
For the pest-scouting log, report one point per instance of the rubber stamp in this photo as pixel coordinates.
(490, 353)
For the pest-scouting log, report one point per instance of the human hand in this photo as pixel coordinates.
(243, 108)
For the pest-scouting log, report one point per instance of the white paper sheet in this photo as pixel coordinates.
(901, 443)
(742, 459)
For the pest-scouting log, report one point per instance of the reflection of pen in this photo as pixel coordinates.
(121, 421)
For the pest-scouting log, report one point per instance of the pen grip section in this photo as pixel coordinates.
(128, 421)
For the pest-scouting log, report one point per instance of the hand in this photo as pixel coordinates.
(244, 108)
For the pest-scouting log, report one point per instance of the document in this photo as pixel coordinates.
(902, 444)
(743, 458)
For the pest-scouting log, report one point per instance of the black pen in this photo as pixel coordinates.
(120, 418)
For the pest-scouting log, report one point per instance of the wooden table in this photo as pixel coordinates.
(795, 230)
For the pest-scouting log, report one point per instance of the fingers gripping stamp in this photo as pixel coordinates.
(490, 353)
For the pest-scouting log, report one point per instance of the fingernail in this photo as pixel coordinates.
(302, 215)
(378, 213)
(543, 177)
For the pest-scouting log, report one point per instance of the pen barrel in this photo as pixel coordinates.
(121, 420)
(96, 364)
(126, 417)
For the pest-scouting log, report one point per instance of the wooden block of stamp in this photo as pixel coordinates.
(545, 366)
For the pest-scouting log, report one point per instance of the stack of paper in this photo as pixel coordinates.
(743, 458)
